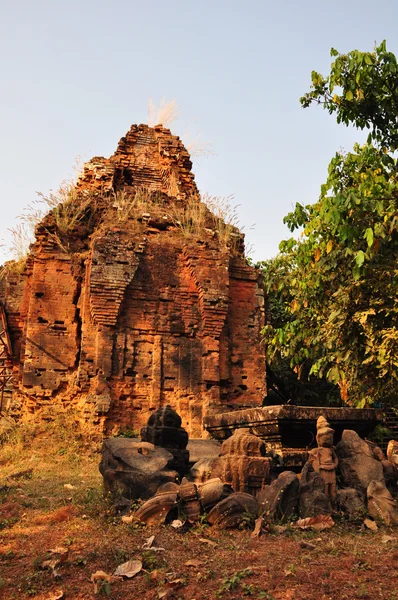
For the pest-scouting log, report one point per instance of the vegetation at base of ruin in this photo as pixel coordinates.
(69, 432)
(336, 286)
(51, 497)
(127, 432)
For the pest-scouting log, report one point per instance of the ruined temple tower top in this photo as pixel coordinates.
(150, 158)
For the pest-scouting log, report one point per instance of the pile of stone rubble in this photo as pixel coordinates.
(236, 482)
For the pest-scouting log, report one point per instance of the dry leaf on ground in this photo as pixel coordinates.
(307, 545)
(51, 564)
(58, 595)
(170, 588)
(69, 486)
(148, 542)
(370, 524)
(388, 538)
(98, 577)
(210, 542)
(320, 522)
(194, 562)
(127, 519)
(258, 527)
(61, 552)
(177, 523)
(129, 568)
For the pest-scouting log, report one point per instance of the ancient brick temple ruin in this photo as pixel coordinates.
(134, 296)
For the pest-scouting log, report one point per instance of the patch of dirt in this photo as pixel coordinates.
(40, 517)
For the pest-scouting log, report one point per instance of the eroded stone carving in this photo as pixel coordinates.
(392, 452)
(242, 463)
(164, 429)
(133, 470)
(234, 510)
(381, 504)
(313, 500)
(187, 500)
(279, 501)
(351, 503)
(324, 458)
(357, 465)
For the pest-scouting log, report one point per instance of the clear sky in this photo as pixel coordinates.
(76, 74)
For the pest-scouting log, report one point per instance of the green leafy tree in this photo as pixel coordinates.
(362, 88)
(337, 285)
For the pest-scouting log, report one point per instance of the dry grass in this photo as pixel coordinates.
(68, 208)
(166, 113)
(133, 204)
(212, 213)
(198, 148)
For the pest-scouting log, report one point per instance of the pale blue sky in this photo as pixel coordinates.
(75, 75)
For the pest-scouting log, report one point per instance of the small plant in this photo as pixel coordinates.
(201, 525)
(247, 521)
(126, 432)
(151, 561)
(232, 582)
(103, 588)
(291, 570)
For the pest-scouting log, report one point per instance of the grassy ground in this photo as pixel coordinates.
(51, 497)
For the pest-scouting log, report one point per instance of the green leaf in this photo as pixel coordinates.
(369, 237)
(334, 374)
(360, 258)
(349, 95)
(368, 59)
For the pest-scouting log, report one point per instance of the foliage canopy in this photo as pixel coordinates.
(336, 287)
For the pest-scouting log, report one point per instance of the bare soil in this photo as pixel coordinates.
(39, 514)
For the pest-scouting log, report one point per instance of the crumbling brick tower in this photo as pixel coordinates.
(142, 299)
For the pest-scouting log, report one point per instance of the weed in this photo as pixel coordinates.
(247, 520)
(93, 501)
(8, 523)
(80, 561)
(201, 525)
(291, 570)
(151, 561)
(212, 213)
(248, 589)
(128, 433)
(33, 583)
(262, 595)
(363, 591)
(104, 588)
(232, 582)
(120, 555)
(225, 218)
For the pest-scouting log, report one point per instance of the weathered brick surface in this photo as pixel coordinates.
(130, 313)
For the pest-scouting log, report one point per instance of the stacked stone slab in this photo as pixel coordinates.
(127, 312)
